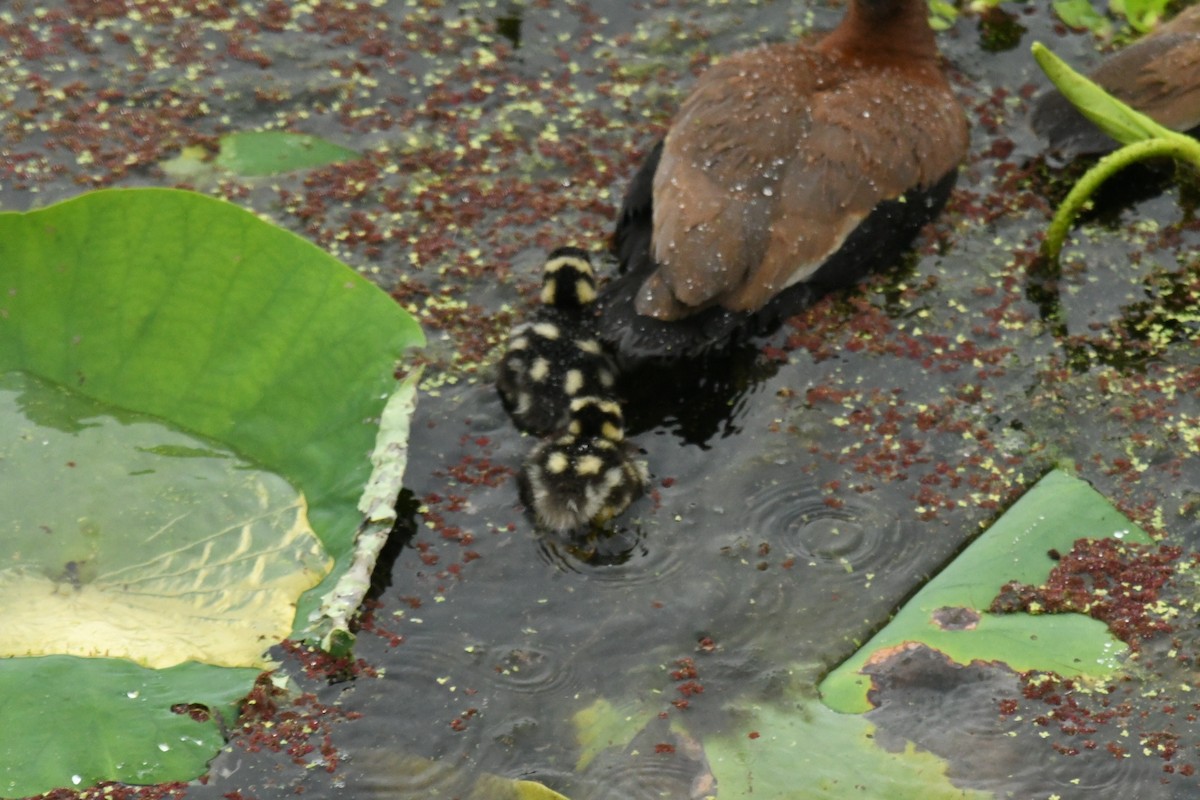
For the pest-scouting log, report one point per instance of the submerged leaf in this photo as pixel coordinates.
(257, 153)
(386, 773)
(797, 749)
(807, 752)
(494, 787)
(602, 725)
(125, 537)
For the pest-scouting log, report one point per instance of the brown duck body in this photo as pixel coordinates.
(1158, 75)
(774, 162)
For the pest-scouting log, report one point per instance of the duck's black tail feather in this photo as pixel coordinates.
(631, 236)
(637, 338)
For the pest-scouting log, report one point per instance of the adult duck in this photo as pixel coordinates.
(789, 170)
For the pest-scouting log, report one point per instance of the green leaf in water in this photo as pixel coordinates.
(1143, 139)
(79, 722)
(789, 751)
(257, 153)
(384, 772)
(942, 15)
(1143, 15)
(808, 752)
(1051, 515)
(1082, 14)
(189, 309)
(193, 165)
(494, 787)
(601, 725)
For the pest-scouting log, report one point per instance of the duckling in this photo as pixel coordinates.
(1158, 75)
(789, 170)
(555, 355)
(587, 474)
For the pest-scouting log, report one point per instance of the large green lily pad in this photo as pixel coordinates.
(1051, 516)
(185, 308)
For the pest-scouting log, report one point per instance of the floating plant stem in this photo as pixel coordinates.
(1143, 138)
(1104, 169)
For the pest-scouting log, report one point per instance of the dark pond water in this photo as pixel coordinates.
(800, 495)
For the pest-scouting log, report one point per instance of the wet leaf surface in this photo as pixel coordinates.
(80, 721)
(127, 538)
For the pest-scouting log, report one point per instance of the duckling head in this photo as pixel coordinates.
(568, 281)
(596, 418)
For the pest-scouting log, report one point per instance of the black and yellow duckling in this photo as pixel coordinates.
(555, 355)
(587, 474)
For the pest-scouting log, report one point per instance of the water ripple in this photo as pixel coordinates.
(623, 555)
(433, 677)
(843, 537)
(527, 669)
(384, 774)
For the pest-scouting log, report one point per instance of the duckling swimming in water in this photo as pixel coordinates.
(555, 355)
(587, 474)
(788, 171)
